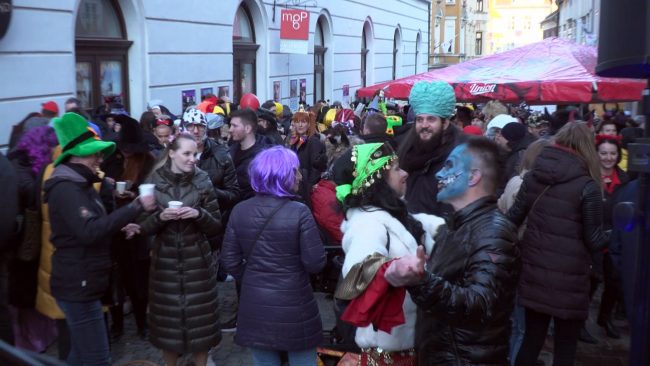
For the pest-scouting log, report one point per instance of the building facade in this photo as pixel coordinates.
(515, 23)
(458, 31)
(174, 51)
(579, 21)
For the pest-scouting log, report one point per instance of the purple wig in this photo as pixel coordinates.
(273, 172)
(37, 143)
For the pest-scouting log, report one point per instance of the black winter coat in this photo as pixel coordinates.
(22, 277)
(183, 314)
(9, 204)
(513, 161)
(564, 227)
(81, 231)
(277, 308)
(465, 302)
(243, 158)
(313, 162)
(216, 161)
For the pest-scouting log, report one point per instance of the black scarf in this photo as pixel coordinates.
(85, 172)
(420, 153)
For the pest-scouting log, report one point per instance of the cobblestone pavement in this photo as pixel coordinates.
(131, 350)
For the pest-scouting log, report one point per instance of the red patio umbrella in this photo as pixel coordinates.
(547, 72)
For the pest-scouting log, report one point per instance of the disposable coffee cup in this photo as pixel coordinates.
(175, 204)
(146, 189)
(120, 187)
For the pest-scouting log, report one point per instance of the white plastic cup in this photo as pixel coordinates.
(146, 189)
(120, 187)
(175, 204)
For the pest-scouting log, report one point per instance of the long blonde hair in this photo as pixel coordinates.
(579, 138)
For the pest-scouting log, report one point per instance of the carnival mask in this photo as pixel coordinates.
(453, 178)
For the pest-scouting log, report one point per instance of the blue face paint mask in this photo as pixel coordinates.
(453, 178)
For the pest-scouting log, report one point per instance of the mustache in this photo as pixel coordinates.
(425, 129)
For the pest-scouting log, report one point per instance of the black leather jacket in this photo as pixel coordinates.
(465, 301)
(216, 161)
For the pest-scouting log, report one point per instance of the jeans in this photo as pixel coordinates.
(88, 337)
(518, 328)
(565, 339)
(262, 357)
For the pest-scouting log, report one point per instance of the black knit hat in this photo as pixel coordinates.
(513, 131)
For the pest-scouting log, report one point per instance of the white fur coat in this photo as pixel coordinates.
(364, 233)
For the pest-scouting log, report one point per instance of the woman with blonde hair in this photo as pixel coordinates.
(183, 312)
(561, 200)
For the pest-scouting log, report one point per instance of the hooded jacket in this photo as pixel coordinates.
(81, 231)
(563, 206)
(467, 295)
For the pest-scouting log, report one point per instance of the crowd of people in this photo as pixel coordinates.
(465, 228)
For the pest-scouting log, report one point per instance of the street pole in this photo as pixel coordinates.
(640, 319)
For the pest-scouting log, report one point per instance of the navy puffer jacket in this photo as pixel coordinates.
(277, 308)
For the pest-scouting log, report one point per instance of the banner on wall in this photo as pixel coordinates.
(294, 31)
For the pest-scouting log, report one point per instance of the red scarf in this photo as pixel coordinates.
(297, 141)
(611, 181)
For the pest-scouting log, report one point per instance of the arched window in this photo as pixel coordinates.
(364, 56)
(396, 46)
(244, 53)
(319, 61)
(101, 49)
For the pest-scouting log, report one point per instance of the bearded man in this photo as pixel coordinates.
(424, 150)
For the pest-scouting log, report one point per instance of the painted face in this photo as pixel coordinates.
(608, 155)
(237, 129)
(609, 129)
(162, 133)
(427, 126)
(453, 178)
(396, 179)
(183, 159)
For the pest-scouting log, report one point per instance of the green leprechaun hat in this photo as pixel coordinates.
(76, 138)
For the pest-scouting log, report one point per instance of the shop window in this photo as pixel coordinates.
(101, 49)
(244, 53)
(319, 62)
(364, 57)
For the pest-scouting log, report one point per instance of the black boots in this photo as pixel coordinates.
(610, 328)
(586, 337)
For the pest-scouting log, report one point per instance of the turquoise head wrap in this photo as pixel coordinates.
(436, 98)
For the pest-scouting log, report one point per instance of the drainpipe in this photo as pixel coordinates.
(429, 38)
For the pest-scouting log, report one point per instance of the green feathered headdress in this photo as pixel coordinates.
(369, 161)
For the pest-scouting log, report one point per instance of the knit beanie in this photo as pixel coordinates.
(436, 98)
(513, 131)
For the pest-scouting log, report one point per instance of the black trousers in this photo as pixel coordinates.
(613, 291)
(565, 340)
(133, 279)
